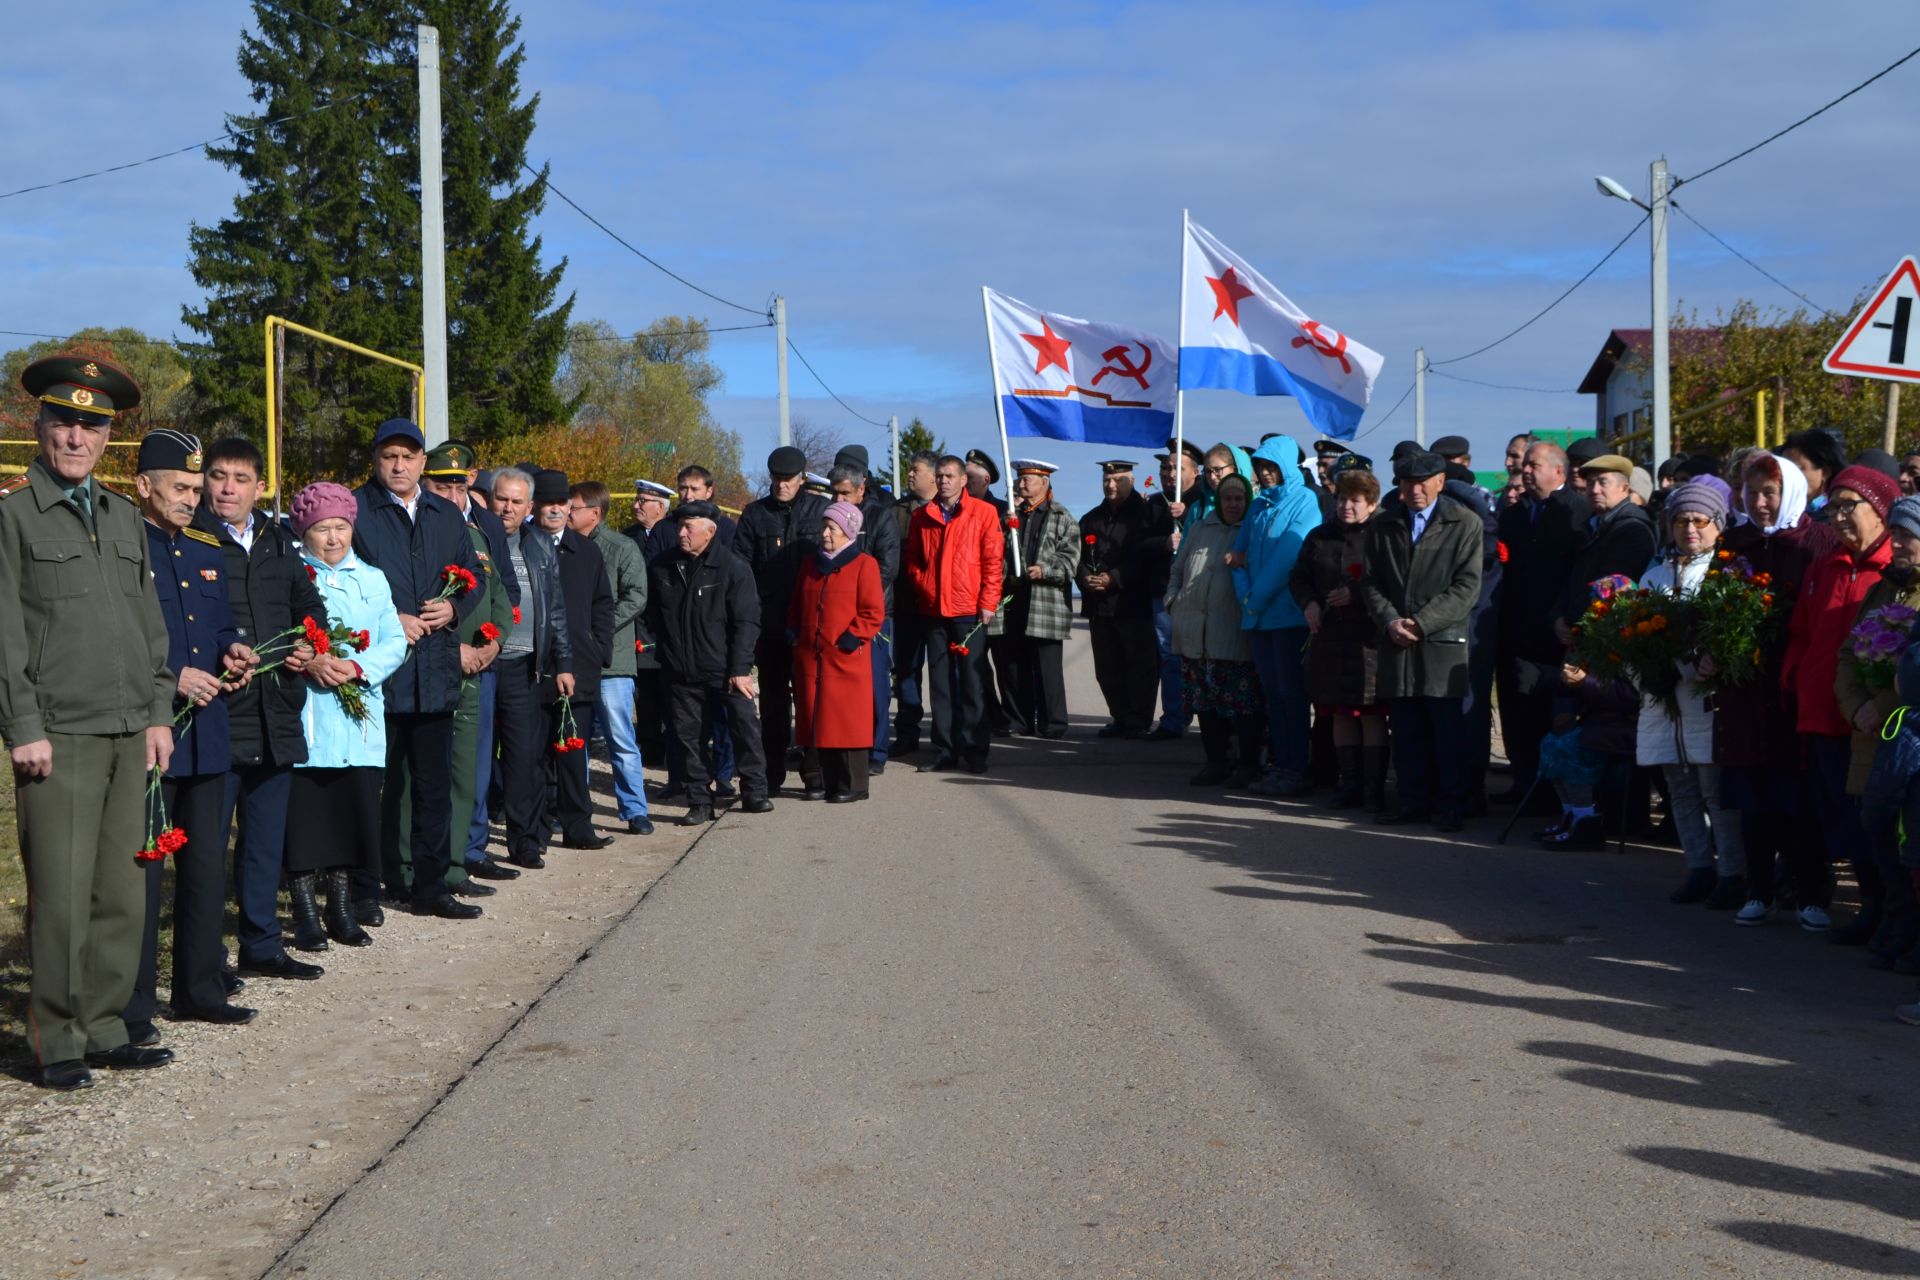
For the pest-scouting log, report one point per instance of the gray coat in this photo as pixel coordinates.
(1043, 609)
(627, 579)
(1436, 583)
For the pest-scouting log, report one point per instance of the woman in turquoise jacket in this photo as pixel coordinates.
(333, 812)
(1284, 511)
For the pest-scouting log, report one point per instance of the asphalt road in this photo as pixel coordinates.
(1077, 1018)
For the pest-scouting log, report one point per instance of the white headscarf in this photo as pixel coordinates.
(1793, 494)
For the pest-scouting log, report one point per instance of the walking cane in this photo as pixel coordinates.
(1519, 809)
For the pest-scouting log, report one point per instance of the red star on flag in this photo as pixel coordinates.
(1051, 346)
(1227, 292)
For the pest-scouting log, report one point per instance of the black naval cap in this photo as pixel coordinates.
(698, 509)
(1349, 461)
(81, 388)
(1186, 445)
(1452, 446)
(164, 449)
(451, 460)
(1324, 447)
(980, 458)
(1116, 465)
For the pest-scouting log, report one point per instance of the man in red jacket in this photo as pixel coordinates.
(951, 563)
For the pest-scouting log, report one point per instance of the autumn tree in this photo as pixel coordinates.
(166, 392)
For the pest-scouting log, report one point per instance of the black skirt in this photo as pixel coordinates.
(333, 819)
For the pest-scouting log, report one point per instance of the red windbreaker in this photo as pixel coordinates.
(953, 567)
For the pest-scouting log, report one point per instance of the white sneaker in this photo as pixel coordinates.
(1814, 919)
(1755, 912)
(1909, 1014)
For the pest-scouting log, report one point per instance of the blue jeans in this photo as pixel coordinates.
(1173, 709)
(615, 703)
(477, 832)
(882, 648)
(260, 793)
(909, 660)
(1279, 658)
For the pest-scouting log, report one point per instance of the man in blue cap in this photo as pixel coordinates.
(415, 538)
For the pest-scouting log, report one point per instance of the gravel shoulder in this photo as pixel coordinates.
(211, 1166)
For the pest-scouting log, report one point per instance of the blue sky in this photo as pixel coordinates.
(1412, 173)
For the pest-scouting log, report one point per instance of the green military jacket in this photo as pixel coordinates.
(83, 645)
(627, 579)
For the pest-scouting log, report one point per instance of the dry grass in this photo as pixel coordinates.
(13, 930)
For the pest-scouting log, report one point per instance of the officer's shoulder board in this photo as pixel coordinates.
(14, 484)
(200, 535)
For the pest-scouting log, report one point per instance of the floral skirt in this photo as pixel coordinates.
(1214, 686)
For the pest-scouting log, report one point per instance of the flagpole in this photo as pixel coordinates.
(1179, 396)
(1000, 415)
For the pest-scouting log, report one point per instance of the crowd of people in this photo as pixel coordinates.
(356, 698)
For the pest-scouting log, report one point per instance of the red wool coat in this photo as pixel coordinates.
(833, 690)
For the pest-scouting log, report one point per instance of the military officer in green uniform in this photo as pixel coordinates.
(86, 701)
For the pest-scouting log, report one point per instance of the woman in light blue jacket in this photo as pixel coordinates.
(333, 813)
(1284, 512)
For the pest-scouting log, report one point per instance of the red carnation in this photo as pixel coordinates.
(1090, 539)
(960, 649)
(1356, 571)
(364, 639)
(315, 637)
(1013, 522)
(639, 646)
(516, 615)
(489, 633)
(1502, 547)
(312, 574)
(576, 744)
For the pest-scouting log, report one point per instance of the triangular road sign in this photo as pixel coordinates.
(1884, 339)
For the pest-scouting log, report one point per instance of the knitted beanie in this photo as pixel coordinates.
(322, 500)
(848, 517)
(1879, 491)
(1696, 499)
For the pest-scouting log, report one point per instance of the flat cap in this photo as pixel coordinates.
(698, 509)
(786, 461)
(1607, 462)
(1584, 448)
(90, 390)
(1421, 464)
(1452, 446)
(164, 449)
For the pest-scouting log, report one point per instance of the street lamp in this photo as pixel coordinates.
(1657, 215)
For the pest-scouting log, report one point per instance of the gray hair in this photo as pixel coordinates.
(513, 475)
(847, 473)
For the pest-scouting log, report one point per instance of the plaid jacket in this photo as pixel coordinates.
(1043, 610)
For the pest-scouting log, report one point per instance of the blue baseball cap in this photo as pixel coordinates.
(399, 429)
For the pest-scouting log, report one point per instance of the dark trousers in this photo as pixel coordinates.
(694, 708)
(774, 661)
(333, 821)
(909, 660)
(1792, 838)
(1429, 754)
(1126, 664)
(478, 832)
(718, 744)
(1526, 714)
(1000, 720)
(1829, 756)
(1033, 686)
(1479, 713)
(957, 688)
(882, 650)
(199, 905)
(836, 770)
(650, 713)
(1219, 735)
(573, 803)
(259, 794)
(422, 745)
(520, 729)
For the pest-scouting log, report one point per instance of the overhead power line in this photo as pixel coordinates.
(1503, 386)
(1749, 261)
(829, 390)
(68, 337)
(1551, 305)
(1741, 155)
(675, 333)
(1389, 415)
(375, 45)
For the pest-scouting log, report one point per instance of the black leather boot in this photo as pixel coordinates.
(1352, 788)
(1373, 766)
(307, 933)
(341, 923)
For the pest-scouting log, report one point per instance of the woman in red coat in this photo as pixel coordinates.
(836, 611)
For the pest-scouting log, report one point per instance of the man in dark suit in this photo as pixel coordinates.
(1540, 532)
(589, 606)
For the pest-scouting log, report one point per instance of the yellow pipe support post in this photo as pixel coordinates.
(1760, 419)
(276, 330)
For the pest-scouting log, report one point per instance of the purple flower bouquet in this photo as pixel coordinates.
(1877, 641)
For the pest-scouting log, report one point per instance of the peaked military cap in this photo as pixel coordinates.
(1116, 464)
(652, 489)
(89, 389)
(980, 458)
(1033, 467)
(451, 460)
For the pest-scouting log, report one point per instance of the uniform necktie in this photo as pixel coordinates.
(82, 497)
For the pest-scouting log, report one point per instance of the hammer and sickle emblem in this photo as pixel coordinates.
(1327, 342)
(1124, 365)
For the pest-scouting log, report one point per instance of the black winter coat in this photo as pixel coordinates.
(1621, 542)
(414, 555)
(1341, 657)
(705, 614)
(1130, 544)
(880, 538)
(661, 540)
(775, 538)
(270, 592)
(589, 605)
(1540, 553)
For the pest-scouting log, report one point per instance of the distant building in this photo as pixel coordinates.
(1621, 381)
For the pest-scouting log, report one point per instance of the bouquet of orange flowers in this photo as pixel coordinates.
(1638, 632)
(1735, 616)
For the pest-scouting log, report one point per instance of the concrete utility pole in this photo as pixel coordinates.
(893, 429)
(1662, 405)
(1420, 396)
(780, 336)
(1890, 441)
(433, 243)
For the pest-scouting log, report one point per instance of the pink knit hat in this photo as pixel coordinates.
(847, 516)
(322, 500)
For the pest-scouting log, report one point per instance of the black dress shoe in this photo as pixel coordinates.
(283, 966)
(757, 804)
(222, 1015)
(876, 768)
(530, 861)
(143, 1035)
(472, 889)
(1109, 731)
(233, 983)
(939, 764)
(846, 797)
(1403, 817)
(698, 815)
(639, 826)
(446, 907)
(129, 1058)
(594, 841)
(488, 869)
(369, 914)
(813, 793)
(974, 765)
(66, 1076)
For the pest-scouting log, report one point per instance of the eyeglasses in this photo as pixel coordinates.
(1844, 507)
(1220, 469)
(1693, 522)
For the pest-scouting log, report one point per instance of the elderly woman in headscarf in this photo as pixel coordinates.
(1755, 744)
(836, 610)
(1217, 679)
(1678, 737)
